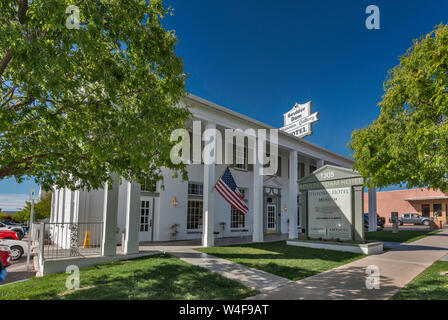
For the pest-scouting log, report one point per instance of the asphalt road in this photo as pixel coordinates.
(17, 271)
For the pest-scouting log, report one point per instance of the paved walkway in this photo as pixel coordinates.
(397, 268)
(252, 278)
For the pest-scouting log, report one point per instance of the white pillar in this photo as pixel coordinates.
(54, 203)
(257, 210)
(373, 225)
(293, 192)
(131, 241)
(208, 228)
(320, 163)
(110, 210)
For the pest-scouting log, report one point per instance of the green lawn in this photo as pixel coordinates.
(403, 236)
(429, 285)
(158, 277)
(278, 258)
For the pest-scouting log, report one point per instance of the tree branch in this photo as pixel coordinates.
(23, 8)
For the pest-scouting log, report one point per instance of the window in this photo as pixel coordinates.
(149, 186)
(241, 156)
(278, 173)
(426, 210)
(194, 214)
(301, 170)
(195, 189)
(237, 218)
(195, 206)
(144, 215)
(312, 168)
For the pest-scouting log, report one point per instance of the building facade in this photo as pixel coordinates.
(192, 209)
(425, 202)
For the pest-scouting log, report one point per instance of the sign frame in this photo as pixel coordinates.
(298, 121)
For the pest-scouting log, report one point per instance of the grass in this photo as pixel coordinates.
(286, 261)
(157, 277)
(403, 236)
(429, 285)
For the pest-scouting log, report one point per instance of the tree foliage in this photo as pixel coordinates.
(42, 210)
(408, 143)
(78, 105)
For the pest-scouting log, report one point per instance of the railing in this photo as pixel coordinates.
(70, 239)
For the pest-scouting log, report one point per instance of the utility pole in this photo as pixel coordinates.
(30, 229)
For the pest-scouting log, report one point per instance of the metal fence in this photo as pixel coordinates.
(70, 239)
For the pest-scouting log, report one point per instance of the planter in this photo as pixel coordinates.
(362, 248)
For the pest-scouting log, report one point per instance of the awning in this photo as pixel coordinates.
(427, 198)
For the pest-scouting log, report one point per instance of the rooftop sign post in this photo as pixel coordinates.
(299, 119)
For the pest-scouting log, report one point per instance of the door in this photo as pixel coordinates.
(271, 218)
(426, 210)
(146, 218)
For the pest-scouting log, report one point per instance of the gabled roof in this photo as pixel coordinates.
(329, 173)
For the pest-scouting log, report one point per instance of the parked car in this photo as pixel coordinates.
(17, 229)
(8, 234)
(380, 221)
(15, 224)
(5, 257)
(17, 247)
(413, 218)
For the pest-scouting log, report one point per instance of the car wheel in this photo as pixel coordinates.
(16, 252)
(426, 223)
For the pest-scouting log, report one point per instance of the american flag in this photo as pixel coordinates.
(227, 187)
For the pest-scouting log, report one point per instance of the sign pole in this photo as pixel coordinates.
(30, 228)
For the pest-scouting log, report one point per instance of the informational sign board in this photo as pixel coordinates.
(299, 119)
(332, 204)
(332, 214)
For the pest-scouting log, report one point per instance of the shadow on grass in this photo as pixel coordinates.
(286, 261)
(152, 278)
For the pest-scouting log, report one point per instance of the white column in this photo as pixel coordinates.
(208, 228)
(131, 241)
(257, 210)
(307, 168)
(320, 163)
(54, 202)
(373, 225)
(110, 210)
(293, 191)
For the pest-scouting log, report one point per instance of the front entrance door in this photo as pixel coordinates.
(271, 218)
(146, 218)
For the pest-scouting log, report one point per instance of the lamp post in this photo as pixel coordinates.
(30, 229)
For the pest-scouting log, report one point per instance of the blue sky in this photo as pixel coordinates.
(261, 57)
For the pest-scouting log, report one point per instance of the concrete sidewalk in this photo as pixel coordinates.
(255, 279)
(397, 268)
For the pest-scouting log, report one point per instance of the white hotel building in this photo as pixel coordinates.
(193, 209)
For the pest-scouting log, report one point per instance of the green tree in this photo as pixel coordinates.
(80, 104)
(42, 210)
(408, 143)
